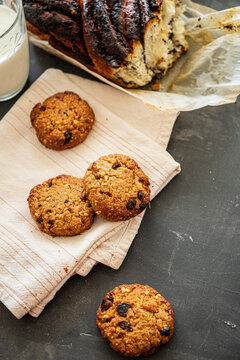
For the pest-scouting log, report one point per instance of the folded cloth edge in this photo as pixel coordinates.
(37, 309)
(88, 262)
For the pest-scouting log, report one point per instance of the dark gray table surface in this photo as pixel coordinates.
(187, 248)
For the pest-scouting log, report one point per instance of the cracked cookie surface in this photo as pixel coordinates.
(62, 121)
(60, 206)
(117, 187)
(135, 320)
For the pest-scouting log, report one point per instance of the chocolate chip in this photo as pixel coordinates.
(107, 320)
(84, 198)
(105, 305)
(51, 223)
(160, 74)
(50, 184)
(131, 204)
(105, 193)
(65, 113)
(170, 36)
(122, 309)
(107, 340)
(40, 219)
(66, 201)
(173, 51)
(123, 325)
(110, 298)
(93, 166)
(140, 195)
(68, 136)
(165, 332)
(142, 206)
(43, 108)
(49, 211)
(39, 205)
(115, 166)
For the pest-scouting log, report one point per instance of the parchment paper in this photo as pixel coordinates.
(208, 74)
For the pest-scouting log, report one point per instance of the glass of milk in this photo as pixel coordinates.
(14, 53)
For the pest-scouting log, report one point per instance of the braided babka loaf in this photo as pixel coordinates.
(126, 41)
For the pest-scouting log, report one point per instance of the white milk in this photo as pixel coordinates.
(14, 56)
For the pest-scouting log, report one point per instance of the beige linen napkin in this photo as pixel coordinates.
(33, 265)
(157, 127)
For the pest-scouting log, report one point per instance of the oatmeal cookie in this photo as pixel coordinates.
(135, 320)
(60, 206)
(116, 187)
(62, 121)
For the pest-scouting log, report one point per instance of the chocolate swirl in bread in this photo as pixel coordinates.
(127, 41)
(61, 21)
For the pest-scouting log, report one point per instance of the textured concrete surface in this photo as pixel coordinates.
(187, 248)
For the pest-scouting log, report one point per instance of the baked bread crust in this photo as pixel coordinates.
(128, 42)
(59, 22)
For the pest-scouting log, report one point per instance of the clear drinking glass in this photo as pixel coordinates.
(14, 52)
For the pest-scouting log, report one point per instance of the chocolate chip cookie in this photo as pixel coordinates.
(62, 121)
(116, 187)
(60, 206)
(135, 320)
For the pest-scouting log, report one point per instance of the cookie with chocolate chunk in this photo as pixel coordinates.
(135, 320)
(60, 206)
(116, 187)
(62, 121)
